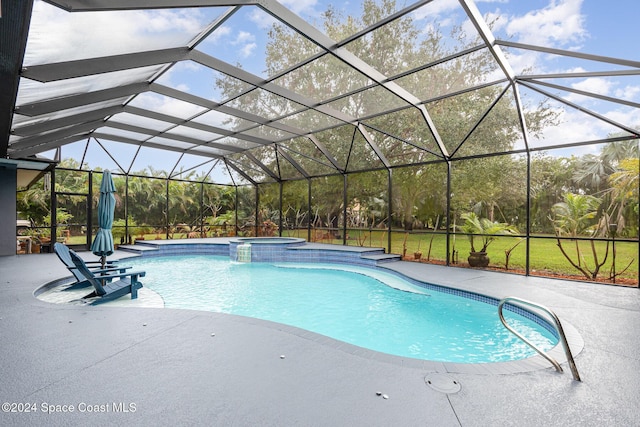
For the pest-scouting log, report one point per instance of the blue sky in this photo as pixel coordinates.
(607, 28)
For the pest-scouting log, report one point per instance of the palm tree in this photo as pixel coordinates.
(624, 188)
(615, 152)
(484, 227)
(592, 172)
(573, 217)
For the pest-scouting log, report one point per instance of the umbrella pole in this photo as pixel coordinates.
(103, 261)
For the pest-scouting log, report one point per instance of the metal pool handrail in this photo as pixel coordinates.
(558, 325)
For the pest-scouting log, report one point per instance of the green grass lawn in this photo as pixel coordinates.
(545, 255)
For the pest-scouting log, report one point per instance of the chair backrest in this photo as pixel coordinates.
(63, 253)
(86, 273)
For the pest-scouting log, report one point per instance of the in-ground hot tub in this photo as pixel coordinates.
(261, 249)
(269, 240)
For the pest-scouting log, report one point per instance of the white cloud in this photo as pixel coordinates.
(597, 85)
(183, 87)
(301, 7)
(247, 50)
(603, 86)
(243, 37)
(186, 66)
(177, 72)
(559, 24)
(496, 20)
(626, 115)
(247, 42)
(220, 33)
(581, 128)
(523, 60)
(628, 92)
(162, 20)
(262, 19)
(435, 8)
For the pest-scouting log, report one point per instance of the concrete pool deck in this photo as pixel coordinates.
(116, 365)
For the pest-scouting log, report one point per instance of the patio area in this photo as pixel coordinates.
(116, 365)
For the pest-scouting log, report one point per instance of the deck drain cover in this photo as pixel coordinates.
(442, 383)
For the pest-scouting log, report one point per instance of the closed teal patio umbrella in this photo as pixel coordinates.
(102, 245)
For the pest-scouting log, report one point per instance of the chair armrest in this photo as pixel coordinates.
(121, 269)
(130, 273)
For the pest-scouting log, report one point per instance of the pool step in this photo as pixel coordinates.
(382, 258)
(137, 248)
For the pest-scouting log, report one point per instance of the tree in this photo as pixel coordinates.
(624, 192)
(592, 175)
(401, 135)
(573, 217)
(219, 202)
(419, 193)
(592, 172)
(147, 203)
(184, 206)
(482, 185)
(550, 180)
(34, 204)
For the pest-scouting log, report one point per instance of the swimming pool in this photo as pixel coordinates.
(361, 306)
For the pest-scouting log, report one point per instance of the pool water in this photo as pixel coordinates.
(365, 307)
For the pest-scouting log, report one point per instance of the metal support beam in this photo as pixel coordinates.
(585, 93)
(203, 102)
(49, 125)
(30, 151)
(261, 165)
(63, 103)
(570, 53)
(309, 209)
(90, 211)
(487, 36)
(230, 165)
(450, 256)
(14, 28)
(326, 153)
(193, 125)
(389, 208)
(345, 188)
(41, 139)
(102, 5)
(257, 227)
(280, 184)
(289, 159)
(374, 146)
(104, 64)
(480, 119)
